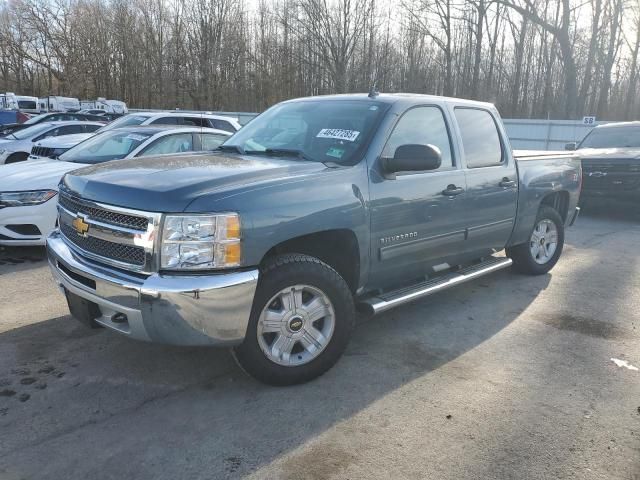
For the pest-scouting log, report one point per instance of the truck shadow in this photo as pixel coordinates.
(153, 396)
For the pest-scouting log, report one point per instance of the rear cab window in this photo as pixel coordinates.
(481, 140)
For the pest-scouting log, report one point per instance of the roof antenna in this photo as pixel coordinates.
(373, 93)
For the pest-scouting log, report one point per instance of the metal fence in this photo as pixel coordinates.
(545, 134)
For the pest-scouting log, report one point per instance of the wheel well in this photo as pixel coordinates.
(337, 248)
(16, 157)
(559, 201)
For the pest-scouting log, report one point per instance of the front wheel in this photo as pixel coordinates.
(542, 251)
(301, 321)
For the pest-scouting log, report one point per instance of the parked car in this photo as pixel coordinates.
(51, 117)
(28, 189)
(219, 122)
(611, 162)
(53, 147)
(316, 206)
(16, 146)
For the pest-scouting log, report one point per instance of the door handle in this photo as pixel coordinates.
(452, 191)
(506, 183)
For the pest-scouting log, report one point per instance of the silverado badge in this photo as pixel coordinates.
(80, 226)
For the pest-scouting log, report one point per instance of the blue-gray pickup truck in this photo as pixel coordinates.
(317, 208)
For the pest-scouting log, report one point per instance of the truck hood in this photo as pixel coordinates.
(610, 153)
(34, 175)
(169, 183)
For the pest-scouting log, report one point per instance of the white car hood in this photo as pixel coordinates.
(64, 141)
(34, 174)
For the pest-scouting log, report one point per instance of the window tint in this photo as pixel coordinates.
(195, 122)
(480, 138)
(91, 128)
(177, 143)
(166, 121)
(222, 125)
(70, 129)
(422, 126)
(211, 141)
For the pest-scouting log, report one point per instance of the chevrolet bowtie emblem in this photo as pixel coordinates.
(80, 226)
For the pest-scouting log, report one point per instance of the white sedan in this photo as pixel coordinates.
(28, 210)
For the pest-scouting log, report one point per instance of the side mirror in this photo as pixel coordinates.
(571, 146)
(413, 158)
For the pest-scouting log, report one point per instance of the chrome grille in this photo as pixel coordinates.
(104, 248)
(116, 236)
(107, 216)
(41, 151)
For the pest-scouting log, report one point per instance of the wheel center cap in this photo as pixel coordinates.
(295, 324)
(542, 241)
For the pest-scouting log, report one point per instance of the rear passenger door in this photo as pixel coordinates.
(491, 177)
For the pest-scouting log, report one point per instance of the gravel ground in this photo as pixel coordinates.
(506, 377)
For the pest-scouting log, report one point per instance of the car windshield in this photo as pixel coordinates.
(33, 120)
(126, 121)
(318, 130)
(612, 137)
(110, 145)
(30, 132)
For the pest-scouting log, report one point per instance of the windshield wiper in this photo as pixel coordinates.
(230, 148)
(288, 152)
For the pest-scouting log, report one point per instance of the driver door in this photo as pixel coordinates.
(417, 218)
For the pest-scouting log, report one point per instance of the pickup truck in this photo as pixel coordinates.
(610, 156)
(318, 207)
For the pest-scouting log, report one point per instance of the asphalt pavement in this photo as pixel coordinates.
(508, 377)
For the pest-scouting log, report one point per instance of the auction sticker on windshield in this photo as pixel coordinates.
(338, 134)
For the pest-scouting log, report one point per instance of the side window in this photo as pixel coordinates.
(177, 143)
(211, 141)
(70, 129)
(222, 125)
(195, 121)
(422, 125)
(166, 121)
(480, 138)
(92, 128)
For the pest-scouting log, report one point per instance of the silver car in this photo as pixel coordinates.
(17, 146)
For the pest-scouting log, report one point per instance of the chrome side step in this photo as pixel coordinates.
(386, 301)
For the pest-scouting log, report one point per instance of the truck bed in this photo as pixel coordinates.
(521, 155)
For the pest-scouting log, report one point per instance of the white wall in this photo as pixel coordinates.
(545, 134)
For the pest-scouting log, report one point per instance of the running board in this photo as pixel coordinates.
(386, 301)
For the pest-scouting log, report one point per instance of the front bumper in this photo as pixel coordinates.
(208, 309)
(42, 216)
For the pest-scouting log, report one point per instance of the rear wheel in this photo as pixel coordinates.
(302, 318)
(542, 251)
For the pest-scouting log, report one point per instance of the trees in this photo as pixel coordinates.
(543, 58)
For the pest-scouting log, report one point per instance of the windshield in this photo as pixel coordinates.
(126, 121)
(29, 132)
(317, 130)
(110, 145)
(33, 120)
(612, 137)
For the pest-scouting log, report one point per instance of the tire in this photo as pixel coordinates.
(289, 284)
(524, 258)
(16, 157)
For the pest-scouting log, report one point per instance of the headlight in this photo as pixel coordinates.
(21, 199)
(191, 242)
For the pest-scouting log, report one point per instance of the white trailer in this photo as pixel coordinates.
(108, 106)
(54, 103)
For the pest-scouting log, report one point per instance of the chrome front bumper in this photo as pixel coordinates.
(171, 309)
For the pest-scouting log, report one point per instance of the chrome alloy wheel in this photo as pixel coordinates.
(296, 325)
(544, 241)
